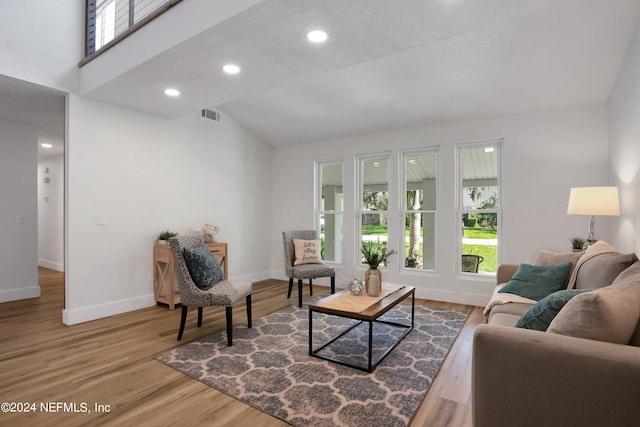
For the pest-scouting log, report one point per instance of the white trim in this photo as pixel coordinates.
(19, 293)
(86, 314)
(402, 157)
(317, 200)
(253, 277)
(359, 182)
(51, 265)
(459, 211)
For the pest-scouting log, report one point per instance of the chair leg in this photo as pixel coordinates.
(199, 316)
(299, 292)
(183, 320)
(290, 287)
(229, 312)
(249, 310)
(310, 287)
(333, 284)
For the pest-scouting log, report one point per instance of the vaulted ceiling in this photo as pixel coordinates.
(387, 64)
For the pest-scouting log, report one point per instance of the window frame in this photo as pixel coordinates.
(404, 210)
(318, 208)
(359, 167)
(460, 211)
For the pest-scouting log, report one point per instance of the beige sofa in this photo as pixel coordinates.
(570, 374)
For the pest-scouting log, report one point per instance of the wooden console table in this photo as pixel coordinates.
(165, 285)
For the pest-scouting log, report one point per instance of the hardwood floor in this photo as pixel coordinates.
(110, 362)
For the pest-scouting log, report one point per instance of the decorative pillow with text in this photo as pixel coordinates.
(307, 251)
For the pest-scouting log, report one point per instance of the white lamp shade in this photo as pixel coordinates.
(594, 201)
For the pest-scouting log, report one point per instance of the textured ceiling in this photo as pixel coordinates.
(387, 64)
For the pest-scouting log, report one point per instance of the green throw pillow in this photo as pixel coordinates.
(544, 311)
(204, 268)
(537, 281)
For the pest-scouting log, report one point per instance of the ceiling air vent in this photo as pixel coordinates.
(210, 114)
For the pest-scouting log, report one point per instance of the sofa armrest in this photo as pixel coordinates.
(527, 378)
(505, 272)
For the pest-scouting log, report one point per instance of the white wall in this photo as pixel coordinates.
(544, 155)
(18, 254)
(42, 41)
(147, 175)
(624, 148)
(51, 213)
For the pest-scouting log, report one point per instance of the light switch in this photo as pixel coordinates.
(21, 219)
(102, 218)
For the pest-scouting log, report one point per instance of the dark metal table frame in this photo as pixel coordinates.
(369, 315)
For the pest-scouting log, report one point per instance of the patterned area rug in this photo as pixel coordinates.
(269, 368)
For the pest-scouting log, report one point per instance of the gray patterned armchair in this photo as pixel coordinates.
(225, 293)
(303, 271)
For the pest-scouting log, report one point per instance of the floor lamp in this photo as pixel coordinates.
(593, 201)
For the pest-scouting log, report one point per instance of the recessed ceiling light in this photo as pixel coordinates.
(172, 92)
(231, 69)
(317, 36)
(46, 145)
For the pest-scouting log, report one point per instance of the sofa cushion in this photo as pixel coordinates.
(550, 257)
(205, 270)
(537, 281)
(605, 314)
(601, 270)
(629, 281)
(540, 315)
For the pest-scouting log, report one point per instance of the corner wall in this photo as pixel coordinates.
(19, 253)
(624, 149)
(544, 154)
(147, 175)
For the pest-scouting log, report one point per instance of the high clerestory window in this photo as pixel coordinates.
(109, 21)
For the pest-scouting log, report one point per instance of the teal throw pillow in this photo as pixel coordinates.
(537, 281)
(544, 311)
(204, 268)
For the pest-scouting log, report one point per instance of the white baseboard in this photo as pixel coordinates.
(253, 277)
(51, 265)
(86, 314)
(20, 293)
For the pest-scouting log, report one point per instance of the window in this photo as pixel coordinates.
(329, 209)
(479, 206)
(417, 231)
(109, 20)
(374, 199)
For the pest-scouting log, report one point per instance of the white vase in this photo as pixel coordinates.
(374, 284)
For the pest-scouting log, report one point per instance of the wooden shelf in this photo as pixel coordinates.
(165, 285)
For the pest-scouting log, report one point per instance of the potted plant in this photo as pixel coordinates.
(374, 254)
(163, 237)
(577, 244)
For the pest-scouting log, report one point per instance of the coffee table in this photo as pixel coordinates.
(331, 305)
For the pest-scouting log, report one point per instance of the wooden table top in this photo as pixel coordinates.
(328, 304)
